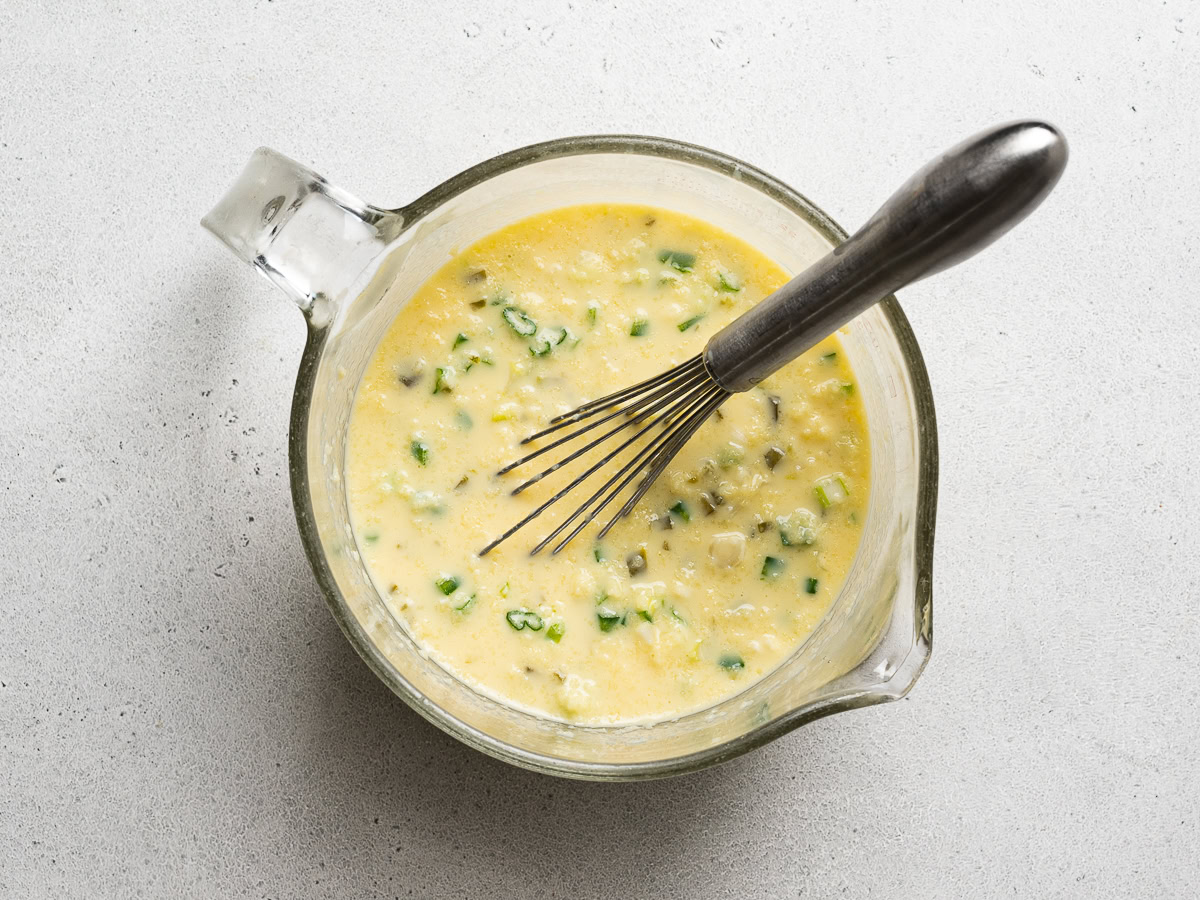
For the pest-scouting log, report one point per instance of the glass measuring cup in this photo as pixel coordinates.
(350, 267)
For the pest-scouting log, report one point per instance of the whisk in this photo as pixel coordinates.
(948, 211)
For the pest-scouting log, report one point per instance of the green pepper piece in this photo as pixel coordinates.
(680, 511)
(772, 566)
(608, 618)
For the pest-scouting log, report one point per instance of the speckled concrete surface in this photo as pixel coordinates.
(179, 715)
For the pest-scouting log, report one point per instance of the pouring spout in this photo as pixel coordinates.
(311, 239)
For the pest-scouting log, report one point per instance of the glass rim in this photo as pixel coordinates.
(927, 468)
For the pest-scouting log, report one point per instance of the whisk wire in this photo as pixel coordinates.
(662, 391)
(634, 419)
(712, 399)
(617, 396)
(625, 475)
(681, 406)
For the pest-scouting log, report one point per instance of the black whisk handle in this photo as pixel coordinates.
(948, 211)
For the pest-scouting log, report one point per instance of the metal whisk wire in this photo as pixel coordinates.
(676, 401)
(948, 211)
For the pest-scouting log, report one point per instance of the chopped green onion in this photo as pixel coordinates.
(847, 388)
(598, 553)
(688, 323)
(678, 260)
(420, 451)
(448, 584)
(463, 419)
(680, 511)
(459, 338)
(729, 282)
(639, 327)
(829, 358)
(524, 618)
(772, 566)
(465, 605)
(371, 537)
(593, 310)
(555, 631)
(646, 614)
(608, 619)
(443, 382)
(504, 589)
(810, 585)
(731, 662)
(518, 320)
(830, 490)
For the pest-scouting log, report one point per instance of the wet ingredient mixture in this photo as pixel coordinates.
(723, 568)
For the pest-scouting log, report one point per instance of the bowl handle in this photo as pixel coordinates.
(308, 237)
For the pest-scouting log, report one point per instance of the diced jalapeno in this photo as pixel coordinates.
(448, 584)
(771, 567)
(731, 662)
(420, 451)
(810, 585)
(608, 619)
(443, 381)
(688, 323)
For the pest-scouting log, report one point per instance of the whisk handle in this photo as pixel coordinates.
(948, 211)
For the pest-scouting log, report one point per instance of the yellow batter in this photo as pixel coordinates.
(726, 564)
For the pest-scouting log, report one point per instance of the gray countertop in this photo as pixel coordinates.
(179, 714)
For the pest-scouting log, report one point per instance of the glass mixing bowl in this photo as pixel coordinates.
(351, 266)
